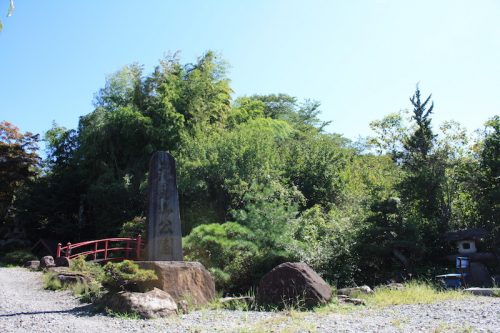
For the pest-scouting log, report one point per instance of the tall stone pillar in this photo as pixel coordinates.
(164, 238)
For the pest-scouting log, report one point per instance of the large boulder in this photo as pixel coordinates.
(62, 262)
(47, 262)
(183, 280)
(293, 284)
(152, 304)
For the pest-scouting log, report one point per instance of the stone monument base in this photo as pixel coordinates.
(183, 280)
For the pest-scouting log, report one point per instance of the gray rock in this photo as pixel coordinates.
(228, 301)
(354, 291)
(32, 264)
(72, 278)
(46, 262)
(484, 291)
(351, 300)
(391, 286)
(153, 304)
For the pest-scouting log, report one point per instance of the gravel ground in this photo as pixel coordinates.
(26, 307)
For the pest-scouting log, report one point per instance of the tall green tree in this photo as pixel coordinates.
(424, 173)
(18, 163)
(489, 176)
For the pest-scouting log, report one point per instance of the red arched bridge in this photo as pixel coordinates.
(103, 250)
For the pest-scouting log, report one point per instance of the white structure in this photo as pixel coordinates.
(466, 246)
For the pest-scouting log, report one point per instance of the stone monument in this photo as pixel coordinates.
(164, 237)
(180, 279)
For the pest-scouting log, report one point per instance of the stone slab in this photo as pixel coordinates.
(484, 291)
(183, 280)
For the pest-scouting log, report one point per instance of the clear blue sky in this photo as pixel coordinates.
(360, 59)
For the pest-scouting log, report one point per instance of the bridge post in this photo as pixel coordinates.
(58, 250)
(96, 246)
(138, 249)
(127, 249)
(68, 250)
(106, 249)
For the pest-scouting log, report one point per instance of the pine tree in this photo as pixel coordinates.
(422, 185)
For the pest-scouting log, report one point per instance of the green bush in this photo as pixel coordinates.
(88, 292)
(125, 275)
(18, 257)
(51, 282)
(227, 250)
(78, 264)
(134, 227)
(231, 254)
(95, 271)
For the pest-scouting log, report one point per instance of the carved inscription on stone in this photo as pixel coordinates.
(164, 238)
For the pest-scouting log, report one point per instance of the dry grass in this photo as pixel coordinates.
(413, 293)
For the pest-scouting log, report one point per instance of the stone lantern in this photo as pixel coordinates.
(477, 262)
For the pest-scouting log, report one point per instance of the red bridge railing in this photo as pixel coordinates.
(104, 249)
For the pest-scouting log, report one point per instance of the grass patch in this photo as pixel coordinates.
(413, 293)
(250, 304)
(122, 315)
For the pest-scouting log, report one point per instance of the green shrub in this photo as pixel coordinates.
(51, 282)
(18, 257)
(88, 292)
(227, 250)
(95, 271)
(78, 264)
(137, 226)
(232, 254)
(125, 275)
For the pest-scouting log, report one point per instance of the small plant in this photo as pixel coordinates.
(88, 292)
(125, 275)
(78, 264)
(51, 282)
